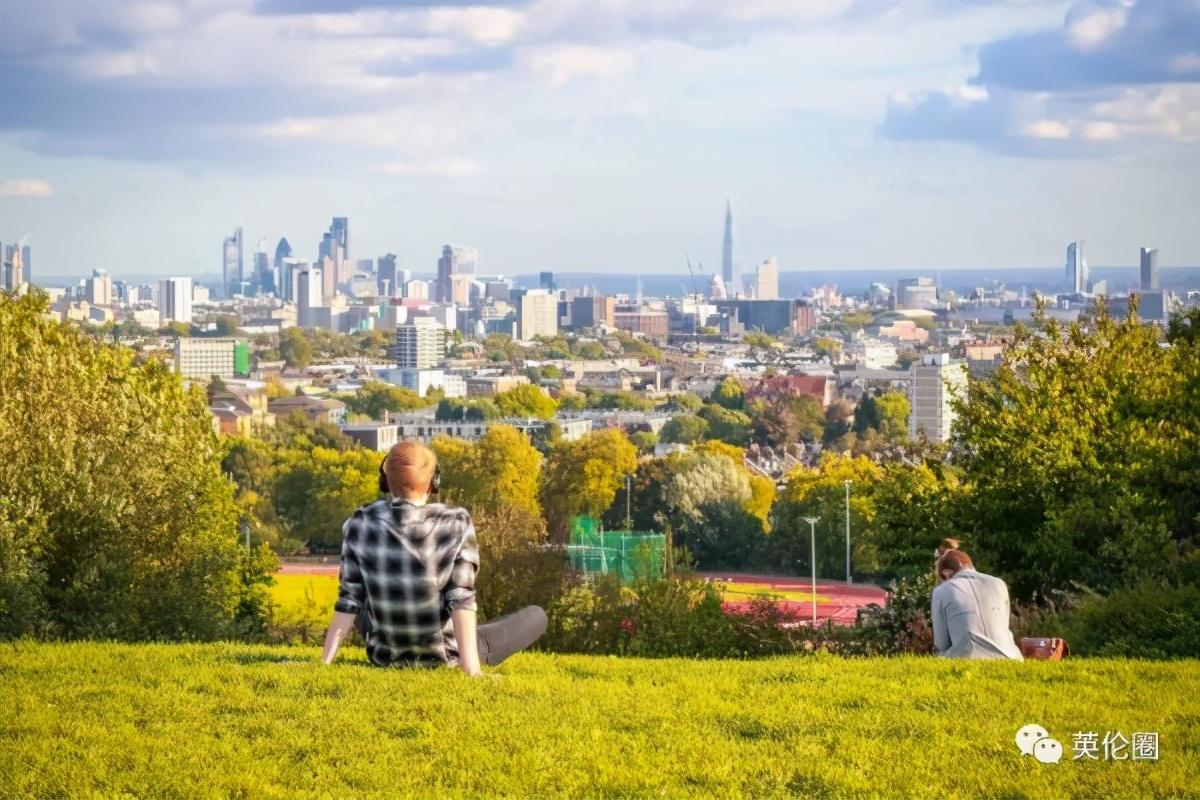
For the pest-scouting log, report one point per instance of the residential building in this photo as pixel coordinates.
(1148, 257)
(377, 436)
(766, 280)
(175, 299)
(779, 387)
(420, 343)
(316, 409)
(308, 296)
(202, 358)
(492, 385)
(904, 330)
(872, 354)
(651, 323)
(537, 314)
(769, 316)
(936, 382)
(422, 381)
(425, 428)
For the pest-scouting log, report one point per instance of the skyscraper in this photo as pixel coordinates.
(13, 268)
(308, 295)
(537, 314)
(446, 267)
(766, 280)
(385, 278)
(1149, 259)
(727, 252)
(289, 272)
(263, 280)
(546, 281)
(420, 343)
(1077, 270)
(340, 230)
(282, 250)
(935, 382)
(98, 289)
(175, 299)
(231, 263)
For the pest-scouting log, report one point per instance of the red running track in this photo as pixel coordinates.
(839, 604)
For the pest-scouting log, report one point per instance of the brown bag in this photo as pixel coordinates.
(1045, 649)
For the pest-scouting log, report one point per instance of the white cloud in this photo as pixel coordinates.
(1047, 129)
(1089, 27)
(1102, 131)
(562, 64)
(25, 187)
(486, 25)
(433, 168)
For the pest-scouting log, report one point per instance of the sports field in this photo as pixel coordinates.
(87, 719)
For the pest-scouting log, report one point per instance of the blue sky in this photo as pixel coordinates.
(602, 135)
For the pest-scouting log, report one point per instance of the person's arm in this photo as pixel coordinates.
(352, 592)
(459, 597)
(941, 634)
(466, 633)
(341, 625)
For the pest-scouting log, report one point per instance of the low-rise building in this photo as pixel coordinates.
(197, 357)
(779, 387)
(379, 436)
(317, 409)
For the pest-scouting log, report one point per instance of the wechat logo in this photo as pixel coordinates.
(1034, 740)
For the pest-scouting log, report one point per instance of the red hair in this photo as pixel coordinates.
(954, 560)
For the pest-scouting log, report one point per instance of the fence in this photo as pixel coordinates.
(595, 551)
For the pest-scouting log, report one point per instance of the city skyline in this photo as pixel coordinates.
(571, 138)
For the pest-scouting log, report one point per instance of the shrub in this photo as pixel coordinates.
(1150, 620)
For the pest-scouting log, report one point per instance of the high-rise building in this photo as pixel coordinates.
(537, 314)
(916, 293)
(13, 267)
(175, 299)
(1149, 264)
(416, 290)
(26, 261)
(282, 250)
(766, 280)
(588, 312)
(1077, 269)
(649, 322)
(329, 282)
(385, 278)
(263, 279)
(308, 295)
(935, 382)
(232, 272)
(420, 343)
(98, 288)
(455, 260)
(727, 250)
(289, 269)
(339, 229)
(546, 281)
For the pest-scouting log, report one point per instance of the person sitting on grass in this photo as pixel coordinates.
(970, 612)
(408, 567)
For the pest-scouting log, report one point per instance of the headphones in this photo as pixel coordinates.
(435, 483)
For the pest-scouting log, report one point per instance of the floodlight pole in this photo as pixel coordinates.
(628, 493)
(812, 532)
(848, 578)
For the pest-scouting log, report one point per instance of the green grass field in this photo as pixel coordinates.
(250, 721)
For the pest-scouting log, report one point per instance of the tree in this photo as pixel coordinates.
(115, 519)
(730, 394)
(686, 402)
(317, 490)
(376, 397)
(775, 425)
(583, 476)
(455, 409)
(526, 401)
(725, 424)
(501, 469)
(294, 348)
(885, 412)
(591, 351)
(810, 416)
(227, 324)
(839, 417)
(683, 429)
(1081, 455)
(215, 387)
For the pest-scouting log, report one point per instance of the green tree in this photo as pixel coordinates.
(375, 397)
(591, 351)
(115, 519)
(726, 424)
(1081, 454)
(683, 429)
(526, 400)
(582, 477)
(317, 490)
(294, 348)
(501, 469)
(227, 324)
(730, 394)
(775, 424)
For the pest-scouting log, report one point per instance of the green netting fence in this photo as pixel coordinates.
(594, 551)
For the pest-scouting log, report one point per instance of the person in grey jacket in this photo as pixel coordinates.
(970, 612)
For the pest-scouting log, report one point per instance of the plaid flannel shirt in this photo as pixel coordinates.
(408, 567)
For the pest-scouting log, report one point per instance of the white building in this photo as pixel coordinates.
(420, 343)
(175, 299)
(936, 381)
(203, 358)
(422, 380)
(309, 297)
(766, 280)
(537, 314)
(916, 293)
(417, 290)
(98, 289)
(200, 294)
(872, 354)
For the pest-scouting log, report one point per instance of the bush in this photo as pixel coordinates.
(588, 617)
(1147, 621)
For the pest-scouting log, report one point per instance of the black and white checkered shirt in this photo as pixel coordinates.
(408, 567)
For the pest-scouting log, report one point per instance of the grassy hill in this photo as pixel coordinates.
(249, 721)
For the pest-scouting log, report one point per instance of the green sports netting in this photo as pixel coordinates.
(594, 551)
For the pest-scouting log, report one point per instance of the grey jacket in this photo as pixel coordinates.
(970, 618)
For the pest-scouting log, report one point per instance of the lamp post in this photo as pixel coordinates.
(628, 493)
(812, 532)
(848, 578)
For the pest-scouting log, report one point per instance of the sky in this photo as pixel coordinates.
(601, 135)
